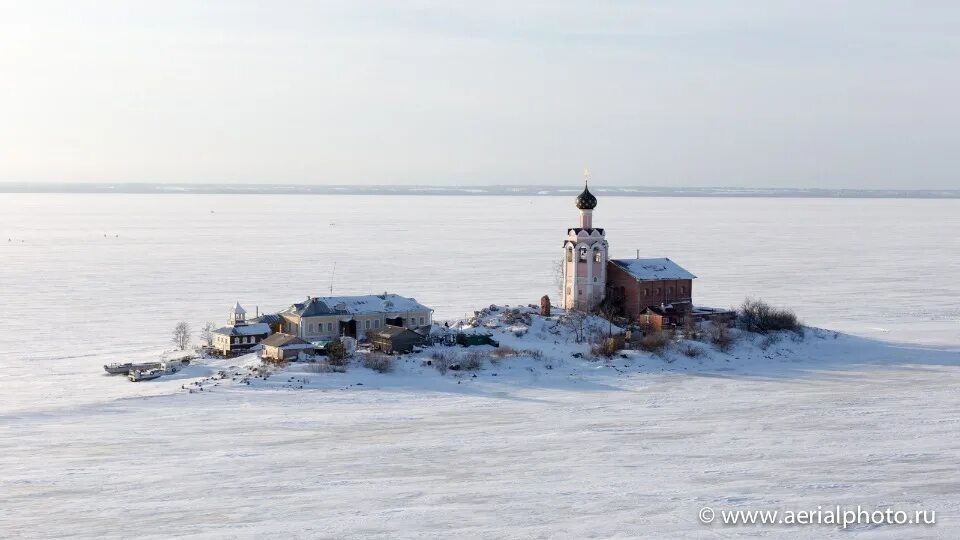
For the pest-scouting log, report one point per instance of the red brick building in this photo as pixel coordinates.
(635, 285)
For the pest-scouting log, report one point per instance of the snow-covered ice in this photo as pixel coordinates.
(627, 448)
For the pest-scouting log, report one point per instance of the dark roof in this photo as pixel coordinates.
(313, 307)
(586, 200)
(268, 318)
(255, 329)
(281, 340)
(390, 332)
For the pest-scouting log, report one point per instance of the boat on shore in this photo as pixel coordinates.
(126, 368)
(138, 375)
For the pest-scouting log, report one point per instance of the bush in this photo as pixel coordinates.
(503, 351)
(337, 352)
(719, 332)
(608, 346)
(323, 367)
(653, 341)
(691, 351)
(441, 361)
(381, 363)
(760, 317)
(535, 354)
(472, 361)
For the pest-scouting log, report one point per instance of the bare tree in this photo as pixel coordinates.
(576, 321)
(181, 335)
(206, 334)
(558, 275)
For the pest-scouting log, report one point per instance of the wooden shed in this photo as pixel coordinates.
(395, 339)
(284, 347)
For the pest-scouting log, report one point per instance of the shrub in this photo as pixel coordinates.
(608, 346)
(691, 351)
(472, 361)
(323, 367)
(381, 363)
(503, 351)
(535, 354)
(760, 317)
(653, 341)
(337, 352)
(719, 332)
(441, 361)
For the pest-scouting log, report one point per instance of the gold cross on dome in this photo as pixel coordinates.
(586, 176)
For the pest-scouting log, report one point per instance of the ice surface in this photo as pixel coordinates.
(630, 449)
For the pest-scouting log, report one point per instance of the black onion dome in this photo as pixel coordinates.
(586, 200)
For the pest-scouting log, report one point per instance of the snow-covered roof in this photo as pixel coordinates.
(653, 269)
(283, 340)
(244, 330)
(356, 305)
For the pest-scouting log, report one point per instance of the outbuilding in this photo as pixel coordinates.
(285, 348)
(395, 339)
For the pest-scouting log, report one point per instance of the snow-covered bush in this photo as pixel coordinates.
(607, 346)
(653, 341)
(691, 351)
(472, 361)
(760, 317)
(381, 363)
(720, 335)
(323, 367)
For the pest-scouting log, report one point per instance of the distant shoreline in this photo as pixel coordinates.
(527, 191)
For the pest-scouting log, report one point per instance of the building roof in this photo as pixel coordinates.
(238, 309)
(586, 200)
(356, 305)
(244, 330)
(268, 318)
(391, 332)
(652, 269)
(283, 340)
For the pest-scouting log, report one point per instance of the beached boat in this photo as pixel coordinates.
(138, 375)
(123, 369)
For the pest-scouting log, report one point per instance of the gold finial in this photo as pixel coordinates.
(586, 176)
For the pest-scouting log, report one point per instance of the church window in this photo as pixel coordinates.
(569, 255)
(583, 254)
(597, 257)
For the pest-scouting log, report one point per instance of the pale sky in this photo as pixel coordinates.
(852, 94)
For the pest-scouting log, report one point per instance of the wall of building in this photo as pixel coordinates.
(639, 295)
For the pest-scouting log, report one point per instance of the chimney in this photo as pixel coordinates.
(638, 253)
(257, 310)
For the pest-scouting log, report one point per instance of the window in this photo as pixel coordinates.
(682, 290)
(376, 323)
(597, 257)
(366, 325)
(583, 254)
(569, 255)
(311, 328)
(329, 327)
(646, 292)
(421, 321)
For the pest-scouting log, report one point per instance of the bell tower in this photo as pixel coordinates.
(584, 257)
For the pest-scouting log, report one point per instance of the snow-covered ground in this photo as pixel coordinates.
(631, 447)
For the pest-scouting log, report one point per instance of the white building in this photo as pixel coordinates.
(239, 336)
(321, 318)
(585, 253)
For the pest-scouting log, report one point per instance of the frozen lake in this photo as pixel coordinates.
(120, 270)
(89, 278)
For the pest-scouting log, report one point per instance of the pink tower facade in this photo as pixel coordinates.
(584, 259)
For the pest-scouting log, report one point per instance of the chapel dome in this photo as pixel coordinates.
(586, 200)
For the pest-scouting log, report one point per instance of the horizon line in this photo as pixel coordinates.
(467, 190)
